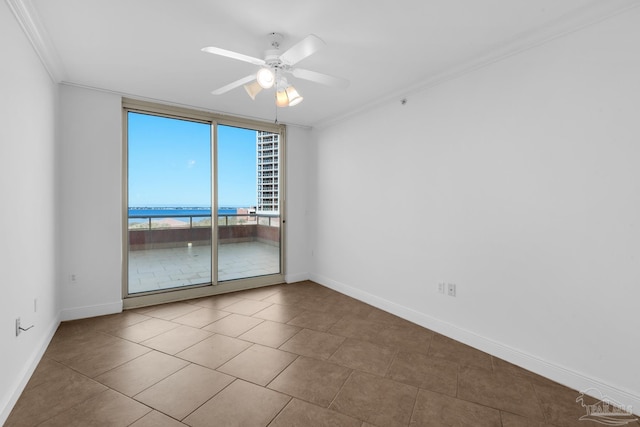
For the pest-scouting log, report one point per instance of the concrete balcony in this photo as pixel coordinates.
(173, 252)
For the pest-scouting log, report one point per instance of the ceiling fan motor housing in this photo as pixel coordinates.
(275, 40)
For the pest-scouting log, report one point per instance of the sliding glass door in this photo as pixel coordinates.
(169, 209)
(248, 203)
(203, 205)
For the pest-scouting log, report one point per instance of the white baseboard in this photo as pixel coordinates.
(90, 311)
(554, 372)
(296, 277)
(27, 371)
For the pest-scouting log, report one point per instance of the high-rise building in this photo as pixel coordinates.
(267, 146)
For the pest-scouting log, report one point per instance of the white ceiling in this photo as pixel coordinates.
(151, 48)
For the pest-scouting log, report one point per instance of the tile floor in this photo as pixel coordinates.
(286, 355)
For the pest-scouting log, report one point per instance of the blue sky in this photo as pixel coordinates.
(170, 163)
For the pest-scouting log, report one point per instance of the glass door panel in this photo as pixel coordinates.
(248, 203)
(169, 203)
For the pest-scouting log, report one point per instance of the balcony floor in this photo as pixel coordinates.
(156, 269)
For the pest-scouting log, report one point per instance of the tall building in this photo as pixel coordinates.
(267, 146)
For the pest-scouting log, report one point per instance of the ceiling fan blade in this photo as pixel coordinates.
(324, 79)
(233, 55)
(304, 48)
(233, 85)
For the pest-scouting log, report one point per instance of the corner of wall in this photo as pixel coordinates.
(559, 374)
(27, 371)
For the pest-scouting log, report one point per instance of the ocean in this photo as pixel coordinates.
(172, 212)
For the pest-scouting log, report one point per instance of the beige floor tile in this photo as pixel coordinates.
(47, 371)
(177, 339)
(73, 327)
(144, 330)
(309, 289)
(214, 351)
(279, 313)
(315, 320)
(436, 410)
(201, 317)
(182, 392)
(260, 293)
(346, 306)
(97, 360)
(311, 380)
(118, 321)
(108, 408)
(298, 413)
(313, 344)
(272, 334)
(407, 337)
(363, 356)
(247, 307)
(355, 327)
(139, 374)
(218, 302)
(500, 365)
(499, 390)
(313, 303)
(455, 351)
(233, 325)
(285, 298)
(67, 346)
(258, 364)
(171, 311)
(301, 296)
(385, 317)
(57, 393)
(379, 401)
(512, 420)
(419, 370)
(229, 408)
(157, 419)
(560, 407)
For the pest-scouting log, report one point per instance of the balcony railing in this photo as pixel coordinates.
(162, 231)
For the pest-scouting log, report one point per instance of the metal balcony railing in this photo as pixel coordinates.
(151, 222)
(167, 231)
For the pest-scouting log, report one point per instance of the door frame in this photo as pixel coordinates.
(213, 288)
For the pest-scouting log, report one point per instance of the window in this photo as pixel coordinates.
(199, 219)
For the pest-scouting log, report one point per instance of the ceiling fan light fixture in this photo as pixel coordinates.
(282, 100)
(293, 96)
(253, 89)
(265, 78)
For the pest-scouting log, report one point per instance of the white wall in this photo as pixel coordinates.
(520, 183)
(28, 211)
(298, 146)
(91, 200)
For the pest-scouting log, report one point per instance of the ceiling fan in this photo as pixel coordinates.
(275, 67)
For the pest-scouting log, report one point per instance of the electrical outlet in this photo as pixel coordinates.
(441, 288)
(451, 289)
(73, 278)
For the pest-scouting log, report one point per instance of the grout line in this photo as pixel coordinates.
(341, 388)
(415, 403)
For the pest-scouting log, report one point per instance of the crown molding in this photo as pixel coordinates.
(592, 13)
(28, 18)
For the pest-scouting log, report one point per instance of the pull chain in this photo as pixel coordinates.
(276, 104)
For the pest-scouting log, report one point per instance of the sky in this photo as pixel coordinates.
(170, 163)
